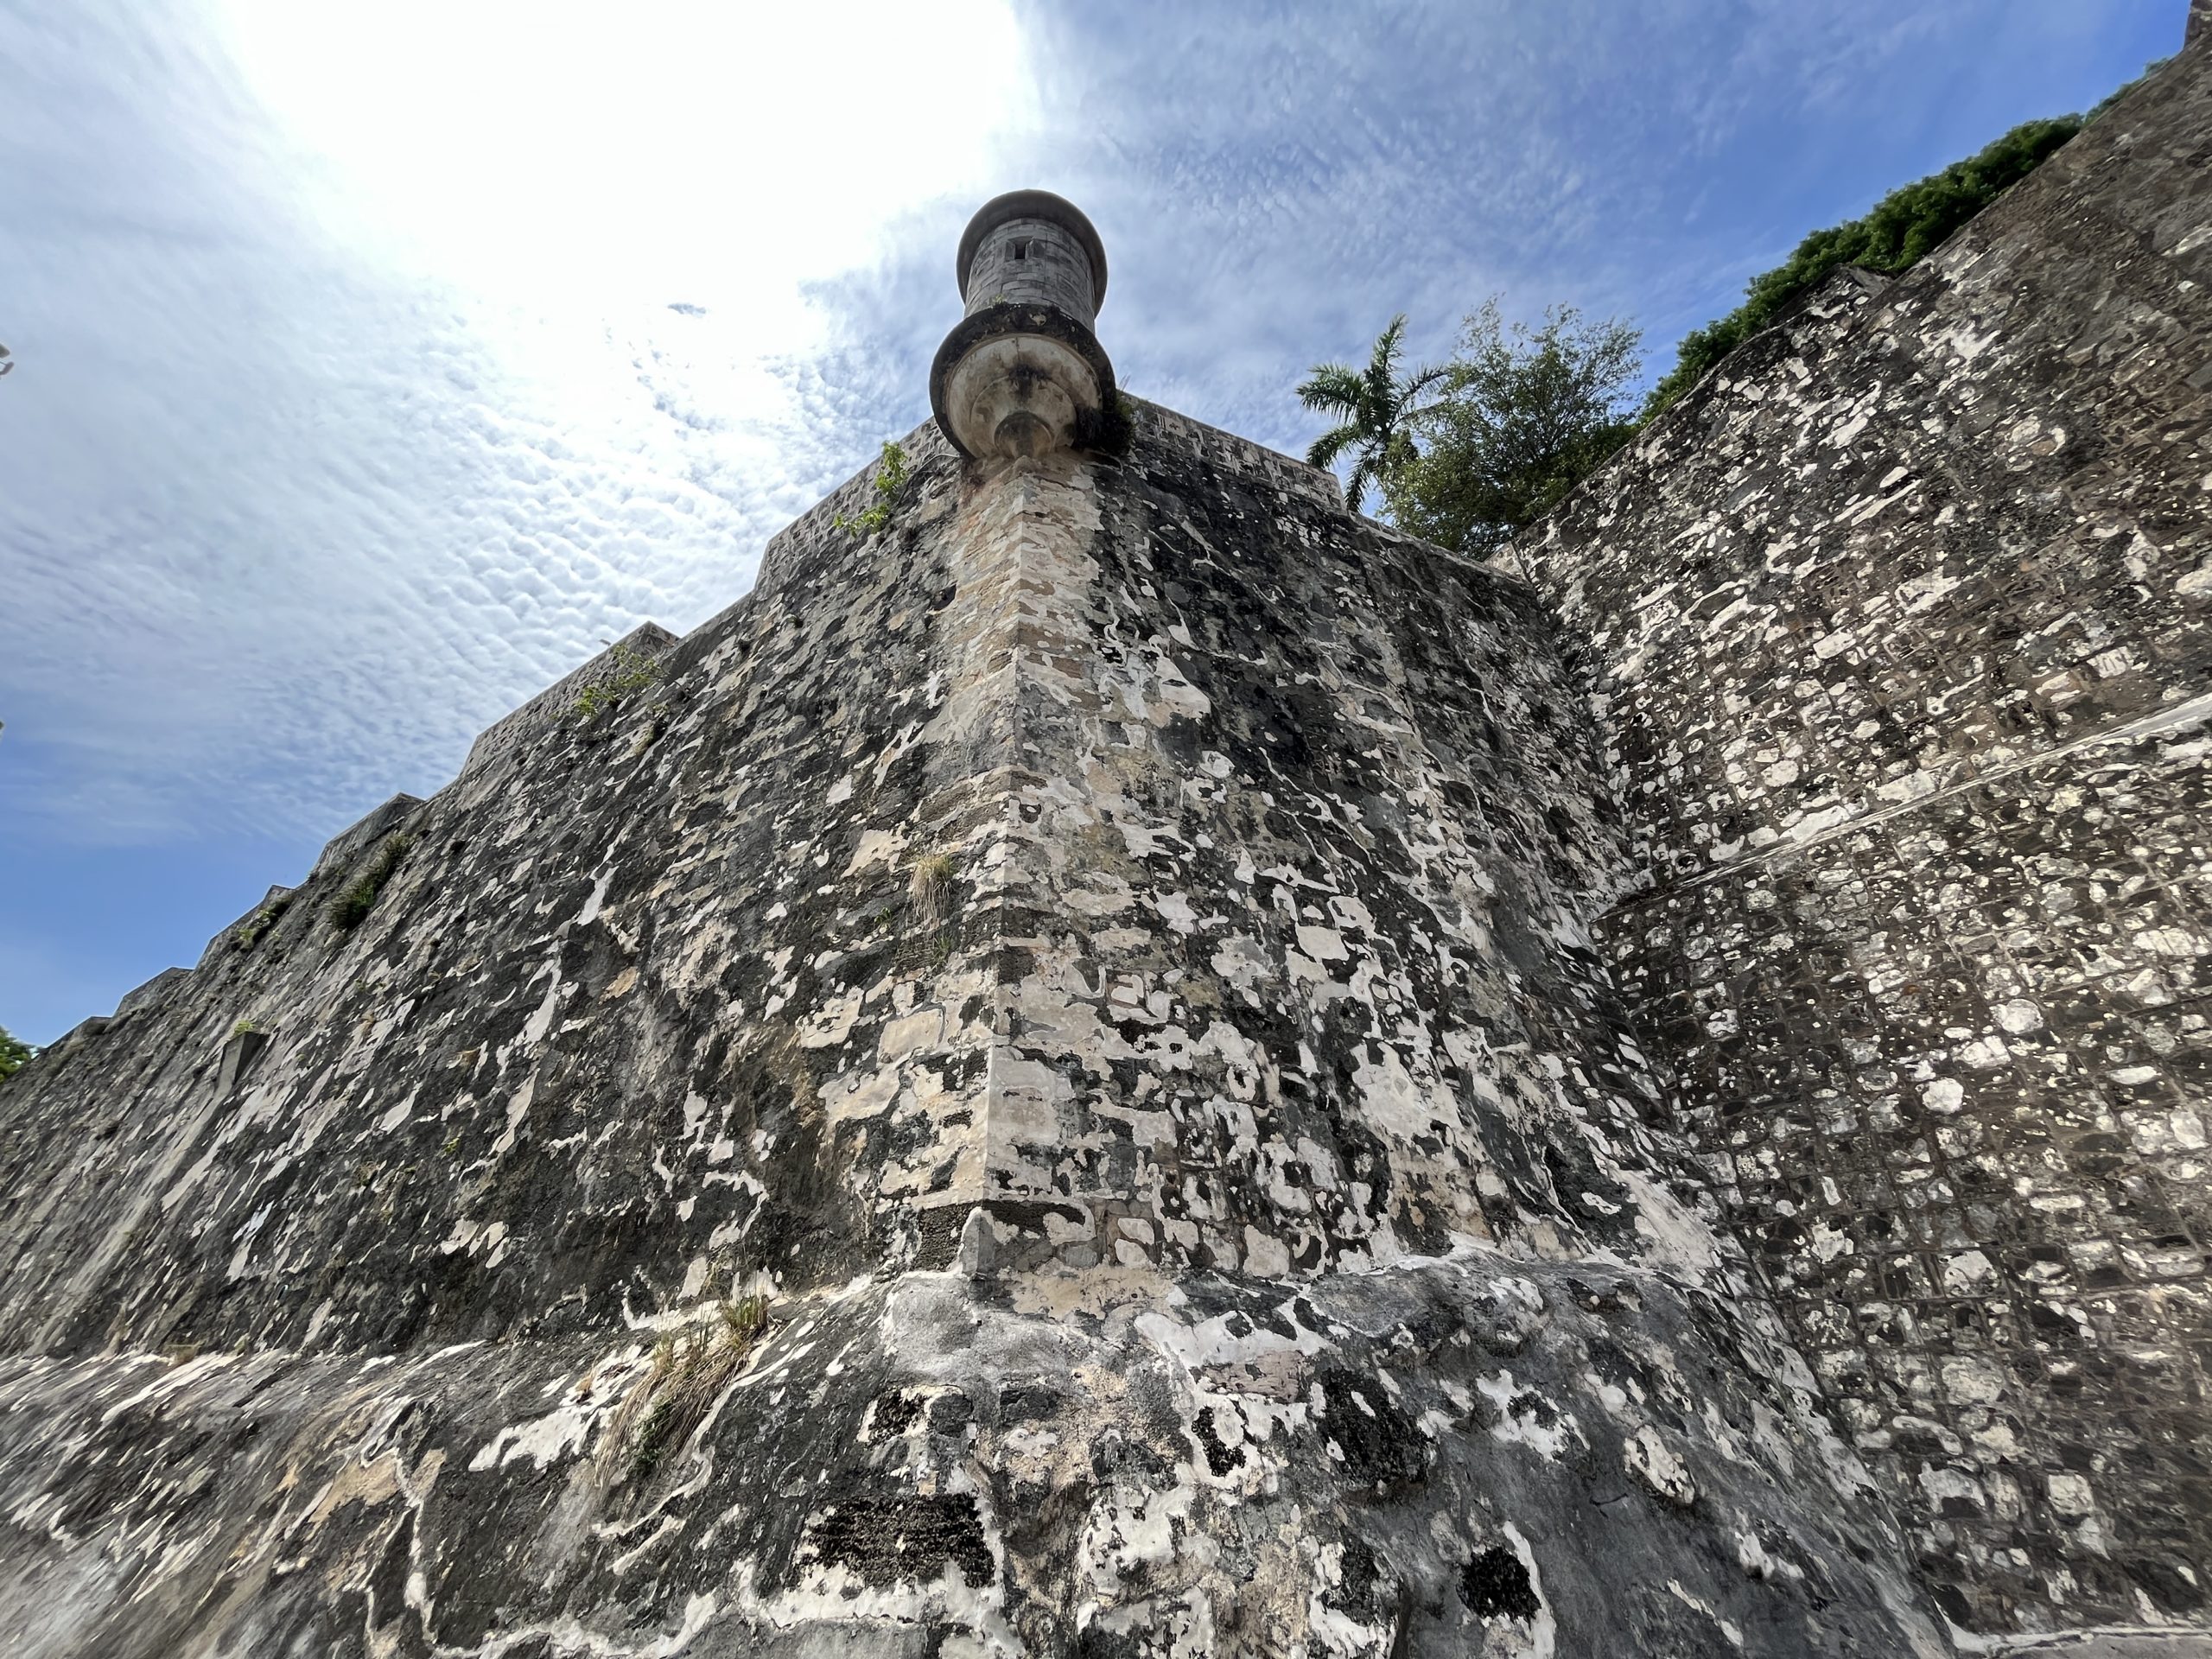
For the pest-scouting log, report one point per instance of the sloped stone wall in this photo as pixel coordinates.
(1039, 1088)
(1897, 631)
(1255, 842)
(1298, 833)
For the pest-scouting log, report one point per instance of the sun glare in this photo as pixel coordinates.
(714, 154)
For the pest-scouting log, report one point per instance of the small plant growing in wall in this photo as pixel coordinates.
(689, 1370)
(350, 906)
(929, 901)
(890, 473)
(929, 886)
(1108, 431)
(629, 671)
(744, 1319)
(248, 933)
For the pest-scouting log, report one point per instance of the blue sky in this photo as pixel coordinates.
(377, 361)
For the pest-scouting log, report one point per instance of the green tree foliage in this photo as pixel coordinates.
(1375, 410)
(1904, 226)
(1525, 414)
(14, 1054)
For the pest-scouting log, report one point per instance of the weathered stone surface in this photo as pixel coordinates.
(1430, 1459)
(1898, 635)
(1105, 959)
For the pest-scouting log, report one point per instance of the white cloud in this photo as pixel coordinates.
(378, 362)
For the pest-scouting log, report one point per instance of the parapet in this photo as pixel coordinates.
(348, 845)
(152, 992)
(648, 641)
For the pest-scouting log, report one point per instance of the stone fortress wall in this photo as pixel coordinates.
(1272, 1081)
(1266, 831)
(1899, 629)
(1223, 1211)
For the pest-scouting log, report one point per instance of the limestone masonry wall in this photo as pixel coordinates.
(1897, 631)
(1104, 960)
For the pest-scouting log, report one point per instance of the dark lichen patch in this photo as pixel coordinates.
(1382, 1448)
(1030, 1400)
(1615, 1365)
(884, 1541)
(1362, 1585)
(895, 1413)
(1496, 1585)
(1221, 1458)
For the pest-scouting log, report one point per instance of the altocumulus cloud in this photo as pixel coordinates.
(353, 405)
(379, 361)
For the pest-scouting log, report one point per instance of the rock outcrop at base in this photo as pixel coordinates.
(1458, 1457)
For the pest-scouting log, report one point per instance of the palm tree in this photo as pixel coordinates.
(1377, 408)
